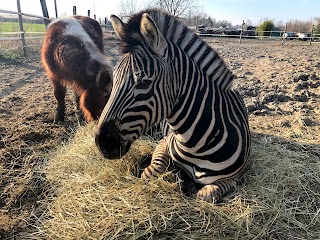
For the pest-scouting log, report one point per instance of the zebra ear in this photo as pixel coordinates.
(151, 33)
(117, 25)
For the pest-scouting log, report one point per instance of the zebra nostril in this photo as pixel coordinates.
(107, 140)
(101, 143)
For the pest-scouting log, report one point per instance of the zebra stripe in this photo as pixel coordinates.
(159, 162)
(169, 74)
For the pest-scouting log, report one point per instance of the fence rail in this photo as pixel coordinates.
(262, 35)
(22, 34)
(206, 33)
(24, 14)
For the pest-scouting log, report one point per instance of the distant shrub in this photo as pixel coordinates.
(265, 28)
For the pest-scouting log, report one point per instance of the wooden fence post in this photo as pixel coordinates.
(45, 12)
(311, 35)
(241, 31)
(23, 41)
(284, 34)
(197, 24)
(88, 13)
(55, 8)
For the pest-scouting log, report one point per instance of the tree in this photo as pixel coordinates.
(265, 28)
(179, 8)
(299, 26)
(203, 18)
(128, 7)
(280, 25)
(249, 22)
(317, 26)
(224, 23)
(211, 22)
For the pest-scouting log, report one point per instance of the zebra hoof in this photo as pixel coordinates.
(147, 175)
(210, 194)
(144, 175)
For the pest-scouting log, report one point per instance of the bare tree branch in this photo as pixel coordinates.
(179, 8)
(128, 7)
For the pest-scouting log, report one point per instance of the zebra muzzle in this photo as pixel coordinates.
(108, 141)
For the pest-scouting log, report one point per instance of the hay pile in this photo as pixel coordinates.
(92, 198)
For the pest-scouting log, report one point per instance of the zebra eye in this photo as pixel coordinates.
(142, 81)
(138, 76)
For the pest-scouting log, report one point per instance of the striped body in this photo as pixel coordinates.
(169, 73)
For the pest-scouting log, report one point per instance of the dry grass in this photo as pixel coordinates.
(92, 198)
(80, 195)
(12, 49)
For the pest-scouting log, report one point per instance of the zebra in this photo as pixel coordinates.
(169, 74)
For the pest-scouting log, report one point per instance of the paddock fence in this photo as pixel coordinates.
(309, 37)
(21, 34)
(20, 27)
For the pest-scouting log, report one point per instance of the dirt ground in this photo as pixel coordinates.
(280, 85)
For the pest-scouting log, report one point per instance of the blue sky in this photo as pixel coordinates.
(255, 10)
(232, 10)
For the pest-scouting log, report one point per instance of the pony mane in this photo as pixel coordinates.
(167, 24)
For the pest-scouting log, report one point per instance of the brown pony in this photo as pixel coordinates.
(73, 55)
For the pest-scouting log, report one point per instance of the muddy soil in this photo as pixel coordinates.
(280, 85)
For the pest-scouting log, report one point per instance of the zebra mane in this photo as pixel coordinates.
(169, 25)
(175, 32)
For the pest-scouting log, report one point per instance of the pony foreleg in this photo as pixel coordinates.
(59, 92)
(159, 162)
(78, 108)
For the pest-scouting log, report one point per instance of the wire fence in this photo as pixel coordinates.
(21, 33)
(259, 35)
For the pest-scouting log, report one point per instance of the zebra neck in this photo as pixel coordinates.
(200, 65)
(197, 89)
(200, 107)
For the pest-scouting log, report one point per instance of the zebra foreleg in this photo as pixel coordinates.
(159, 162)
(213, 193)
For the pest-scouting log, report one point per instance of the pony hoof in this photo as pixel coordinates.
(58, 121)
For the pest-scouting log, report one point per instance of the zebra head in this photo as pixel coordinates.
(140, 96)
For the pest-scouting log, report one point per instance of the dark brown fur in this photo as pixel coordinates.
(69, 64)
